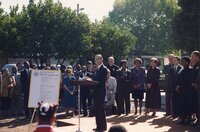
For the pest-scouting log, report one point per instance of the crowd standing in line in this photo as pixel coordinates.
(112, 95)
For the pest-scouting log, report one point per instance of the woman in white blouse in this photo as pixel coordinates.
(111, 87)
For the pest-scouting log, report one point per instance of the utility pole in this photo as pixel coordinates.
(78, 9)
(31, 1)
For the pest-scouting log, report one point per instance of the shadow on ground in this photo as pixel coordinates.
(168, 121)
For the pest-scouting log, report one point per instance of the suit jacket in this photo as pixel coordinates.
(173, 76)
(101, 76)
(25, 81)
(166, 71)
(113, 70)
(184, 80)
(153, 76)
(138, 77)
(123, 80)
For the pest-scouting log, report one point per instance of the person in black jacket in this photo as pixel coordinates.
(195, 63)
(184, 88)
(112, 66)
(99, 94)
(123, 77)
(86, 95)
(25, 83)
(173, 75)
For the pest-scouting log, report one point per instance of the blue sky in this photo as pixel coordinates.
(95, 9)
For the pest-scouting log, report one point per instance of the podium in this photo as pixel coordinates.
(82, 83)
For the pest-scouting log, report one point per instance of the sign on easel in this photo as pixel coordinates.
(44, 86)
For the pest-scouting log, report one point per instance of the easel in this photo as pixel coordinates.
(35, 94)
(34, 111)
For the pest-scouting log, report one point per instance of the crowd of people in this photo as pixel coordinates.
(116, 85)
(182, 87)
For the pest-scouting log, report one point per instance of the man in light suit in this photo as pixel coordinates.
(99, 94)
(25, 83)
(168, 89)
(16, 101)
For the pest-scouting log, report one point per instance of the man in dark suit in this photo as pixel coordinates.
(99, 94)
(25, 83)
(173, 76)
(112, 66)
(86, 96)
(184, 88)
(195, 63)
(123, 88)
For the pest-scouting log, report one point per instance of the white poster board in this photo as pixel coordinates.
(44, 86)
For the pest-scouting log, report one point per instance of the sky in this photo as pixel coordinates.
(95, 9)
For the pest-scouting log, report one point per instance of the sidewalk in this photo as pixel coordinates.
(133, 123)
(137, 123)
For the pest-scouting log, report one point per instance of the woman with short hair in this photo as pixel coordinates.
(153, 97)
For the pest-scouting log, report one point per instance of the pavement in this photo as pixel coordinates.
(137, 123)
(133, 123)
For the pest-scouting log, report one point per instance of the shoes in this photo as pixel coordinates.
(146, 113)
(99, 130)
(135, 113)
(140, 111)
(119, 114)
(153, 114)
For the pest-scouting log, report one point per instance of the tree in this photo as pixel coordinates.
(186, 26)
(3, 23)
(47, 29)
(9, 34)
(110, 40)
(148, 20)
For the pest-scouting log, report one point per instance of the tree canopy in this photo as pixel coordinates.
(110, 40)
(46, 29)
(186, 26)
(149, 20)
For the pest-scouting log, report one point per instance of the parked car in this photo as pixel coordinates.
(9, 67)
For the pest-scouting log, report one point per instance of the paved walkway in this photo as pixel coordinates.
(133, 123)
(137, 123)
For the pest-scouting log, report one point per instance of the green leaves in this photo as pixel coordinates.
(110, 40)
(186, 26)
(148, 20)
(46, 29)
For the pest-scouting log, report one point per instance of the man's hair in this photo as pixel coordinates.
(123, 62)
(197, 53)
(186, 59)
(111, 57)
(154, 59)
(89, 62)
(138, 60)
